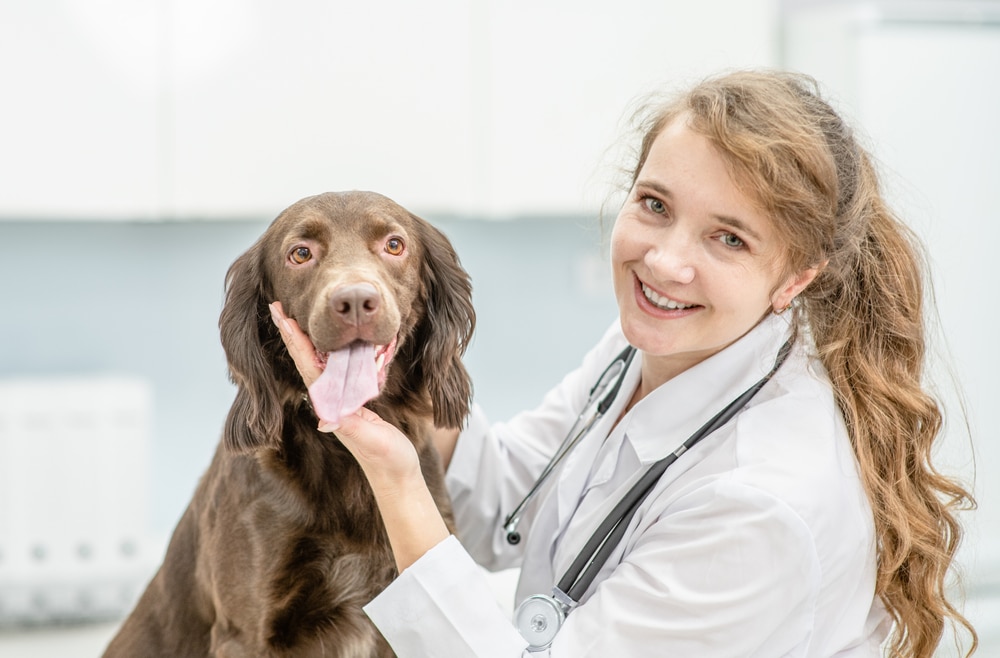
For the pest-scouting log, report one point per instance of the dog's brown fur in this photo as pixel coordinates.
(282, 543)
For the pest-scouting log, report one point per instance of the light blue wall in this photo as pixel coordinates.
(143, 299)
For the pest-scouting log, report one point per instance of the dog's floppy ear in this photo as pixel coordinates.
(447, 328)
(245, 326)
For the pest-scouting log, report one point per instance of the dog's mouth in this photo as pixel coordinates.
(351, 376)
(383, 356)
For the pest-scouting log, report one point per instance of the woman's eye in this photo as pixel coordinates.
(731, 240)
(655, 205)
(300, 255)
(394, 246)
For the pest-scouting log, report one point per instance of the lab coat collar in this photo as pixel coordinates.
(666, 417)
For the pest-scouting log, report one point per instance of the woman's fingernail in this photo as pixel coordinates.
(281, 322)
(274, 315)
(328, 427)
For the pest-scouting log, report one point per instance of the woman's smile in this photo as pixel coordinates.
(662, 302)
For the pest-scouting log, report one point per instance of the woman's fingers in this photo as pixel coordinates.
(371, 416)
(367, 430)
(299, 347)
(384, 452)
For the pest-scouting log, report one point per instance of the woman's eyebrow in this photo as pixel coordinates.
(656, 186)
(739, 225)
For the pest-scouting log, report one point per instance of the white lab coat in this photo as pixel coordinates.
(759, 541)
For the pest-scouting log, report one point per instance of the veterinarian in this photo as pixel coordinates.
(763, 282)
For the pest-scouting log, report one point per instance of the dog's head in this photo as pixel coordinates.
(350, 268)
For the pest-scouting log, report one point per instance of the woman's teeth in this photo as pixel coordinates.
(662, 302)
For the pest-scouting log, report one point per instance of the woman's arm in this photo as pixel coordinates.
(727, 570)
(390, 462)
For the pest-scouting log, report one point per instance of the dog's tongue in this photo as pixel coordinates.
(349, 380)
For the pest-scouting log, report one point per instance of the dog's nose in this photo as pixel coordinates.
(356, 304)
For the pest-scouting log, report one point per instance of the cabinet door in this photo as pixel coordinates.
(79, 117)
(236, 108)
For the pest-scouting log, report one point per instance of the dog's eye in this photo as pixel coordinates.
(394, 246)
(300, 255)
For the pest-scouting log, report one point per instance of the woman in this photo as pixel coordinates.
(754, 249)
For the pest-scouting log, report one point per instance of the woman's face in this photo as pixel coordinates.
(695, 264)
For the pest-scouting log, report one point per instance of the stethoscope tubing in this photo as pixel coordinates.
(539, 617)
(623, 359)
(598, 548)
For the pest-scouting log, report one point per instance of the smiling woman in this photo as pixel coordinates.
(800, 165)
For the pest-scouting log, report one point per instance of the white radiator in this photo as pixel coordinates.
(74, 498)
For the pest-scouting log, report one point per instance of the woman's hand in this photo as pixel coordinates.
(381, 449)
(299, 347)
(387, 457)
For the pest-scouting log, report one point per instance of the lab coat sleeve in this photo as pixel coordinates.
(729, 572)
(494, 465)
(442, 605)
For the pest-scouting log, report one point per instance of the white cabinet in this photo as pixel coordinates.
(236, 108)
(75, 539)
(79, 114)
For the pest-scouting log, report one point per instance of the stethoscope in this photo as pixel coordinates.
(539, 617)
(617, 368)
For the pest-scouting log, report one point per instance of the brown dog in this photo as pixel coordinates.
(282, 543)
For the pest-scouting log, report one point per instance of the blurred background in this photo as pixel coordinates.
(145, 144)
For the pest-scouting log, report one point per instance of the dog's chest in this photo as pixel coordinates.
(300, 569)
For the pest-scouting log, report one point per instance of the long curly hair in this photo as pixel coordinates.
(789, 151)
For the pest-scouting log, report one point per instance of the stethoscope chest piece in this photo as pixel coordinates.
(538, 619)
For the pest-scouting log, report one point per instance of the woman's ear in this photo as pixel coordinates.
(793, 285)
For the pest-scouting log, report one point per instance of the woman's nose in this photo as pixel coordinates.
(672, 260)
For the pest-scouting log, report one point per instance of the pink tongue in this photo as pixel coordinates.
(349, 380)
